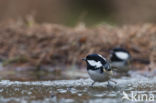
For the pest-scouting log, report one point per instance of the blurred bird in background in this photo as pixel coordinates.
(120, 59)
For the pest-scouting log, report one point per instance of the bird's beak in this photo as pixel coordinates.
(84, 59)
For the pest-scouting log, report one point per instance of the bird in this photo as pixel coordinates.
(98, 68)
(120, 58)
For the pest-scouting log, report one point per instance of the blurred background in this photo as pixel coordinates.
(71, 12)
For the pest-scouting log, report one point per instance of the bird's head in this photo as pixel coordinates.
(120, 54)
(96, 61)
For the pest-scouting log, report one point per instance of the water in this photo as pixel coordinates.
(76, 91)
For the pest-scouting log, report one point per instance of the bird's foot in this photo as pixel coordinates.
(113, 81)
(109, 85)
(92, 84)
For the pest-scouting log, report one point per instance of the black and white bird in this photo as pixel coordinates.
(98, 68)
(120, 59)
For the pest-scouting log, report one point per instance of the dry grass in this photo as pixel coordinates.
(55, 44)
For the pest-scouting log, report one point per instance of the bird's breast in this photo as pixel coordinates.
(121, 66)
(118, 64)
(96, 75)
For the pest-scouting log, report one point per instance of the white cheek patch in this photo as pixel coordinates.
(122, 55)
(95, 63)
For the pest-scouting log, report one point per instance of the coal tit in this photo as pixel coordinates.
(120, 59)
(98, 68)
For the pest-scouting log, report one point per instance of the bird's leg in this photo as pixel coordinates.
(93, 83)
(113, 81)
(108, 85)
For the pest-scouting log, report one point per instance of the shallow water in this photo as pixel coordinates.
(77, 91)
(72, 91)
